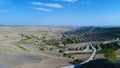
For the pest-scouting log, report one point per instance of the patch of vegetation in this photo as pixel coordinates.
(25, 37)
(109, 50)
(67, 40)
(52, 41)
(110, 53)
(115, 60)
(35, 40)
(1, 40)
(22, 48)
(113, 45)
(41, 47)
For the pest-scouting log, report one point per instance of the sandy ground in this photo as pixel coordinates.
(118, 54)
(49, 63)
(12, 56)
(25, 59)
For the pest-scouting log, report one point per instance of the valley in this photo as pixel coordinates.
(55, 47)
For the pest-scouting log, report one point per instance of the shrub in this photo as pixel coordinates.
(110, 53)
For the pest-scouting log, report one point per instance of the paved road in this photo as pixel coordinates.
(89, 59)
(92, 55)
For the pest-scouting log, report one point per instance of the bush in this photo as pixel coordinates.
(110, 53)
(41, 49)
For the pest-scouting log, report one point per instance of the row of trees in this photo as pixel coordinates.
(109, 50)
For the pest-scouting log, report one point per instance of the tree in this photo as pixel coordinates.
(110, 53)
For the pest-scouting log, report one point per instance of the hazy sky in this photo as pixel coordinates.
(60, 12)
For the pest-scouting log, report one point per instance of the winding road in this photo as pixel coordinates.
(92, 55)
(89, 59)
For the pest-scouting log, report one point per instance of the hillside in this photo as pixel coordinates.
(87, 34)
(34, 47)
(19, 47)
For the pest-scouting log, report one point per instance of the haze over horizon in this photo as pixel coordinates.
(60, 12)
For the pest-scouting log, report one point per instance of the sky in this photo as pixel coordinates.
(60, 12)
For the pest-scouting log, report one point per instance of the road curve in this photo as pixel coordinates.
(92, 55)
(89, 59)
